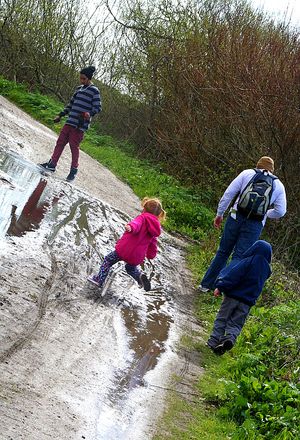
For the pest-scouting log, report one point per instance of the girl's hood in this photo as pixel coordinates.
(153, 224)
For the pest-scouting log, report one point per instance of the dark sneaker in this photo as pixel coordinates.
(223, 347)
(94, 279)
(228, 344)
(49, 166)
(203, 289)
(219, 349)
(72, 174)
(144, 282)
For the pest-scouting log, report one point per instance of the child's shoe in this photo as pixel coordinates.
(203, 289)
(144, 282)
(95, 280)
(223, 347)
(219, 349)
(228, 344)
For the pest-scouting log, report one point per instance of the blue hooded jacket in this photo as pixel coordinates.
(245, 279)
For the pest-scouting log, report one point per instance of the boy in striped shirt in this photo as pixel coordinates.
(84, 104)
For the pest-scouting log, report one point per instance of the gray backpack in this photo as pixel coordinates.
(255, 198)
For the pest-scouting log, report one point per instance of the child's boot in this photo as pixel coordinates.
(144, 282)
(224, 346)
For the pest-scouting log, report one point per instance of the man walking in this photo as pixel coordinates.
(84, 104)
(259, 195)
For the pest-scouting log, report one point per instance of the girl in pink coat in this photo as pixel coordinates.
(138, 241)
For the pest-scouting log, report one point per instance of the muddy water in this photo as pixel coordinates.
(75, 364)
(24, 198)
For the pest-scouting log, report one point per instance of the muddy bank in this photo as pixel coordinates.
(33, 141)
(75, 365)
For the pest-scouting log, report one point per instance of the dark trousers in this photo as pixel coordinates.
(111, 259)
(238, 235)
(229, 321)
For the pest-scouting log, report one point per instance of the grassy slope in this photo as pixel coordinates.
(250, 393)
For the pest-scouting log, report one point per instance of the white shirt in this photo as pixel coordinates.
(278, 198)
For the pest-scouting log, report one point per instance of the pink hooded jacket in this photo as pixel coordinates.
(141, 242)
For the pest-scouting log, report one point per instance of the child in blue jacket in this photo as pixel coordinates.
(242, 283)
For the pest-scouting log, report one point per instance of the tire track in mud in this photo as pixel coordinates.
(79, 318)
(66, 279)
(42, 306)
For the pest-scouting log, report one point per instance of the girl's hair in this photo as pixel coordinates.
(154, 207)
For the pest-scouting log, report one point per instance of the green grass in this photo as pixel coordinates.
(256, 385)
(187, 421)
(186, 213)
(252, 392)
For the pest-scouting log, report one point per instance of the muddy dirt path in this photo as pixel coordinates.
(75, 365)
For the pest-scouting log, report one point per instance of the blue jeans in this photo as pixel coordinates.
(238, 235)
(229, 321)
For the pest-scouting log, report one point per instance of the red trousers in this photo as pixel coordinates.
(72, 135)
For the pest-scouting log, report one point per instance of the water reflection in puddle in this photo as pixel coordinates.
(148, 335)
(148, 342)
(148, 338)
(24, 198)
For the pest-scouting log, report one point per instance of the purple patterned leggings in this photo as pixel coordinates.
(111, 259)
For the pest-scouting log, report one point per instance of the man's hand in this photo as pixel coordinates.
(128, 228)
(56, 119)
(86, 115)
(217, 293)
(217, 221)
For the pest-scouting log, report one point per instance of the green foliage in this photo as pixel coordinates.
(265, 387)
(192, 420)
(186, 213)
(257, 384)
(252, 392)
(39, 106)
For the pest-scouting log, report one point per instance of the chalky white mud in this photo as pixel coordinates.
(74, 364)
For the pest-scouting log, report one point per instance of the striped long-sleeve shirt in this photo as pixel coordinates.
(85, 99)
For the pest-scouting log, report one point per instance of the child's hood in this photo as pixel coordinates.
(153, 224)
(260, 247)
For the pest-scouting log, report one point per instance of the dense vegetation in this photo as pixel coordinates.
(187, 214)
(207, 86)
(252, 392)
(201, 89)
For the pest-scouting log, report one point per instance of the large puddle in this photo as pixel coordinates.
(85, 229)
(24, 198)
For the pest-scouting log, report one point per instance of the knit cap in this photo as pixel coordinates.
(266, 163)
(88, 71)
